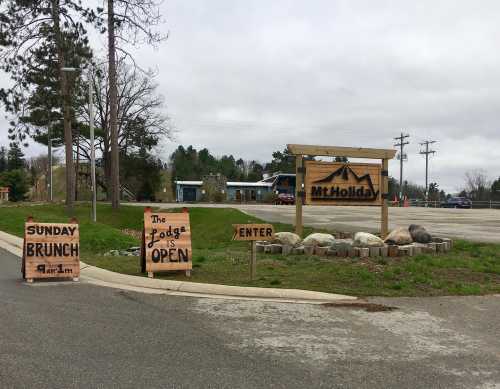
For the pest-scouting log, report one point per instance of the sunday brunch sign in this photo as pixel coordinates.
(51, 250)
(166, 242)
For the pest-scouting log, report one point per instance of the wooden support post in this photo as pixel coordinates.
(253, 260)
(299, 180)
(384, 223)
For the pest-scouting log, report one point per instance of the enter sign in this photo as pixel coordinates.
(253, 232)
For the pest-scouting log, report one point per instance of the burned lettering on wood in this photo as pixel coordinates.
(51, 250)
(167, 242)
(334, 183)
(249, 232)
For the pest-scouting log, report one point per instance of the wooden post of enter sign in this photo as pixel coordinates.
(253, 260)
(384, 227)
(299, 179)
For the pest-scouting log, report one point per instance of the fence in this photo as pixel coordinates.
(437, 204)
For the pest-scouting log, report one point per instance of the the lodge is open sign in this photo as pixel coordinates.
(335, 183)
(167, 242)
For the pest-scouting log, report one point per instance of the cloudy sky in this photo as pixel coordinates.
(248, 77)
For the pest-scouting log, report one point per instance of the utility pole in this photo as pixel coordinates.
(92, 145)
(427, 152)
(402, 157)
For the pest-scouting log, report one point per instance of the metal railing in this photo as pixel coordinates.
(491, 204)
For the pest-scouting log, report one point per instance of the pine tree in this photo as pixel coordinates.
(15, 158)
(37, 41)
(3, 159)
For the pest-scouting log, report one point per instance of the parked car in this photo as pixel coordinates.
(457, 202)
(285, 199)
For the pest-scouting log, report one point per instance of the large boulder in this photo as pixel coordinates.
(400, 236)
(287, 238)
(419, 234)
(365, 239)
(318, 239)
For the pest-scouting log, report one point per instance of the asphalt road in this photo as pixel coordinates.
(75, 335)
(481, 225)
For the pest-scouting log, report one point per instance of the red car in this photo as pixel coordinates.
(285, 199)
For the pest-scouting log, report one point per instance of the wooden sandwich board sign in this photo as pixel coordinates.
(51, 250)
(338, 183)
(253, 233)
(166, 242)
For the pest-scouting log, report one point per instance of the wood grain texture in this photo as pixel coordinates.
(251, 232)
(299, 180)
(51, 250)
(338, 183)
(167, 244)
(338, 151)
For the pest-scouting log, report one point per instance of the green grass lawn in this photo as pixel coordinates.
(470, 268)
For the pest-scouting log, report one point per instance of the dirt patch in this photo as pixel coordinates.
(367, 307)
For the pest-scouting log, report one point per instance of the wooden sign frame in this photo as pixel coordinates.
(51, 250)
(349, 152)
(166, 242)
(252, 233)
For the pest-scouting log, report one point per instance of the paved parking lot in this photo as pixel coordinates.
(474, 224)
(76, 335)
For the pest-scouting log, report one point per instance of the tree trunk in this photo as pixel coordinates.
(66, 108)
(107, 173)
(113, 114)
(77, 168)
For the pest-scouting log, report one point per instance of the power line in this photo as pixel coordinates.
(402, 157)
(427, 152)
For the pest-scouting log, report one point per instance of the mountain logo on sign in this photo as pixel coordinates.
(328, 188)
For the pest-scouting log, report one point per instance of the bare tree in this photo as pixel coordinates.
(140, 120)
(131, 22)
(477, 185)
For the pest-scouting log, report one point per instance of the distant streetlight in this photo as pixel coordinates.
(92, 145)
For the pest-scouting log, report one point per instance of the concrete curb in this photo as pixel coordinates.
(108, 278)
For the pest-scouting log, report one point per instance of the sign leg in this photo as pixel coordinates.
(299, 178)
(150, 274)
(188, 273)
(253, 260)
(384, 223)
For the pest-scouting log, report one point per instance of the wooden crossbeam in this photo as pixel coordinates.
(337, 151)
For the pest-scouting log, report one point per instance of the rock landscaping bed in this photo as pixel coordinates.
(401, 242)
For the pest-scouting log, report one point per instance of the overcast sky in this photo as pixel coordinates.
(248, 77)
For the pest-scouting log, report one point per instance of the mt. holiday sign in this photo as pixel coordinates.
(333, 183)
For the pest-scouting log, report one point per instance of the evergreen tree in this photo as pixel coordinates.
(3, 159)
(38, 39)
(17, 182)
(495, 189)
(283, 162)
(15, 158)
